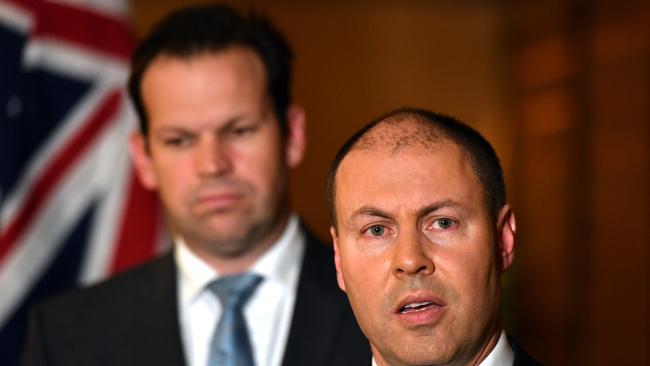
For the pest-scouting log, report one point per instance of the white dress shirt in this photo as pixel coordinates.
(501, 354)
(268, 312)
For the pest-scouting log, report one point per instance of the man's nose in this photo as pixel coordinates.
(411, 256)
(212, 157)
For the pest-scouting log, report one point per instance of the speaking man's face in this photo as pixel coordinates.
(215, 151)
(416, 253)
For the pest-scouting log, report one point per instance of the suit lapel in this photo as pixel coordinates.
(521, 357)
(155, 328)
(317, 313)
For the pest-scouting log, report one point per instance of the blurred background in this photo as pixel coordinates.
(561, 89)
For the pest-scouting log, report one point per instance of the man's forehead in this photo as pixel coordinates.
(240, 52)
(394, 155)
(412, 160)
(414, 182)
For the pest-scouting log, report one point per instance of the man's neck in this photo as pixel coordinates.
(487, 347)
(240, 262)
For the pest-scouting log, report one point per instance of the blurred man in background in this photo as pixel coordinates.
(422, 233)
(246, 283)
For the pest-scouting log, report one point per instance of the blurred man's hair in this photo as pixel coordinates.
(203, 29)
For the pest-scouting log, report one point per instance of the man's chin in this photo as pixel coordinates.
(418, 359)
(227, 236)
(417, 351)
(229, 226)
(225, 240)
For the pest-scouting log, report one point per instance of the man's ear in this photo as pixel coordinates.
(296, 135)
(142, 160)
(337, 259)
(507, 227)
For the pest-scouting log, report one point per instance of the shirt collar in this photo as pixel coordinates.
(501, 354)
(275, 265)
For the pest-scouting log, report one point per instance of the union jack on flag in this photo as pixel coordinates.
(71, 210)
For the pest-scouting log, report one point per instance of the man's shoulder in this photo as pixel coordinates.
(128, 319)
(521, 357)
(110, 293)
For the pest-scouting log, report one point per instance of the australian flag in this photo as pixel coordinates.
(71, 210)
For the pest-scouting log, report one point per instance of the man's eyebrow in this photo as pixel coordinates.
(369, 211)
(232, 122)
(181, 128)
(438, 205)
(171, 129)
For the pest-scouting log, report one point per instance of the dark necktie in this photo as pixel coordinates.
(230, 344)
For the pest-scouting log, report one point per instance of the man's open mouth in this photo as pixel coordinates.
(417, 306)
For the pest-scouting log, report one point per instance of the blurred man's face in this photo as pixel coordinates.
(215, 150)
(416, 253)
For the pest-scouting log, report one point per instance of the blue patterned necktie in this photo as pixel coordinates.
(230, 344)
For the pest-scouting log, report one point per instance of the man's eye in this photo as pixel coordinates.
(377, 230)
(242, 131)
(179, 141)
(444, 223)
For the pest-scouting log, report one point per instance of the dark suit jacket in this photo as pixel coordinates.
(521, 357)
(132, 319)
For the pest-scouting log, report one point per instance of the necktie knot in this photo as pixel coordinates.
(235, 290)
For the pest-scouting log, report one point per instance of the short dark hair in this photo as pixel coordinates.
(211, 28)
(482, 155)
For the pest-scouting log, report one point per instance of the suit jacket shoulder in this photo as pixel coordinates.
(521, 357)
(122, 321)
(323, 329)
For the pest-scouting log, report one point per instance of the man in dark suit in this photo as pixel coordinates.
(422, 233)
(246, 283)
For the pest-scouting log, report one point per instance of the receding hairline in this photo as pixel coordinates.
(410, 126)
(393, 134)
(399, 131)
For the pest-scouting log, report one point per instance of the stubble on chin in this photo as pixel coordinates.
(420, 346)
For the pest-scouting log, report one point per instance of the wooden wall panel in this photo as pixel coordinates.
(583, 91)
(621, 180)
